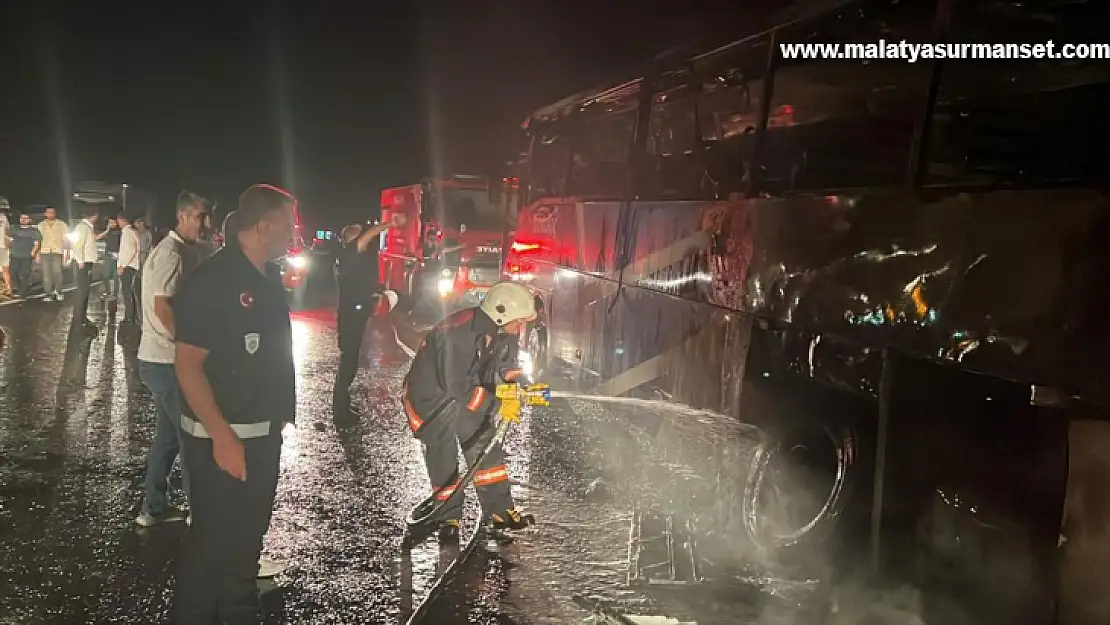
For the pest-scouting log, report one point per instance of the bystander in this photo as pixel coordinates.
(26, 243)
(52, 254)
(170, 261)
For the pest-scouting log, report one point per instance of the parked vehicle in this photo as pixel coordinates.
(449, 253)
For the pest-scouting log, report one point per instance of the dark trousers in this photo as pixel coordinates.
(216, 582)
(351, 325)
(84, 284)
(442, 437)
(21, 274)
(129, 289)
(111, 280)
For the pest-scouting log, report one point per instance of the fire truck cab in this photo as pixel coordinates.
(448, 254)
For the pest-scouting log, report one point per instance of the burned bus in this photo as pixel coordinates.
(897, 268)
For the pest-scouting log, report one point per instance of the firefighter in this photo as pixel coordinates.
(449, 396)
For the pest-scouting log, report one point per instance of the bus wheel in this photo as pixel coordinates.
(798, 487)
(536, 347)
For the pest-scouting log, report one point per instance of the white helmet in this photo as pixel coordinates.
(507, 302)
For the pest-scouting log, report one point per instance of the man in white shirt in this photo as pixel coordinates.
(85, 255)
(127, 268)
(171, 260)
(5, 253)
(51, 254)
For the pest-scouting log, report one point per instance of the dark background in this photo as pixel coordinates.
(333, 99)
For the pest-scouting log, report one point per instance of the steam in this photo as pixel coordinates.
(763, 540)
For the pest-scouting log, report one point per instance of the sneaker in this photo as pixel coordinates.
(169, 515)
(270, 568)
(511, 519)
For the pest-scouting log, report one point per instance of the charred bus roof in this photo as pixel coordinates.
(676, 66)
(675, 58)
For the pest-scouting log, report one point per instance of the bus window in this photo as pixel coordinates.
(847, 123)
(672, 147)
(672, 125)
(550, 161)
(729, 107)
(602, 143)
(1028, 121)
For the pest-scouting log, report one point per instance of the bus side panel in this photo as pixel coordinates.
(777, 311)
(564, 251)
(592, 258)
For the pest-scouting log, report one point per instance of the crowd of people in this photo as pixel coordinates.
(50, 245)
(216, 354)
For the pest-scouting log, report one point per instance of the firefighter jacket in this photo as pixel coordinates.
(458, 366)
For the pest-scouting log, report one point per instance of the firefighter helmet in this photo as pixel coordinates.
(507, 302)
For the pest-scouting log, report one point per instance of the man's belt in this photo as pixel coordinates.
(196, 429)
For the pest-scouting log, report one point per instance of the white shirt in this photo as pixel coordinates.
(53, 236)
(162, 272)
(129, 248)
(84, 248)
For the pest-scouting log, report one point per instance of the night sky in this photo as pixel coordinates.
(334, 100)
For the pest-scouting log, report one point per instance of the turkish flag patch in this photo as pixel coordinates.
(246, 300)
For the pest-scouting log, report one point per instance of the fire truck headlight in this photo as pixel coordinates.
(298, 262)
(71, 237)
(446, 285)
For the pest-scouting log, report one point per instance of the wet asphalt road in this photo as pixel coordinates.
(75, 424)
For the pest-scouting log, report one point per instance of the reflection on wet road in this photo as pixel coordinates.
(75, 424)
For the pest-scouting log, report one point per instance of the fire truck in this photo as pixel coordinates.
(448, 254)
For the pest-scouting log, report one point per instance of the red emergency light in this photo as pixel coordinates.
(519, 247)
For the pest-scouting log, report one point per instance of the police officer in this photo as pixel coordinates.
(234, 363)
(358, 286)
(449, 396)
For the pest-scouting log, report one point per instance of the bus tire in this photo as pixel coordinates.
(837, 464)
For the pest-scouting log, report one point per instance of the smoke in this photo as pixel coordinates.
(763, 514)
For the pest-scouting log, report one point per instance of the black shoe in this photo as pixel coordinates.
(345, 418)
(511, 519)
(343, 410)
(449, 530)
